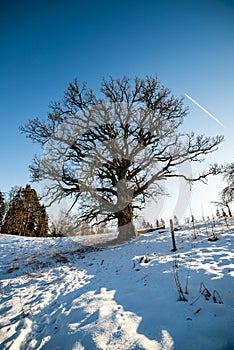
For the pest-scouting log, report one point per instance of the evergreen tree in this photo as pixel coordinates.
(162, 223)
(12, 219)
(25, 215)
(145, 224)
(2, 208)
(218, 215)
(42, 224)
(175, 220)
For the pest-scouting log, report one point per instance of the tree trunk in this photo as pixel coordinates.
(229, 211)
(174, 249)
(126, 225)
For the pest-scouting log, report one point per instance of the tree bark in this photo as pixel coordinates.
(229, 211)
(174, 249)
(126, 225)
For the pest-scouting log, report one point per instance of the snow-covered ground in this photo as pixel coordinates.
(62, 294)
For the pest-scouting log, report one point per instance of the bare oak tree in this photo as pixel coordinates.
(110, 153)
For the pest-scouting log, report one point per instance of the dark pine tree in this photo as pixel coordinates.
(25, 215)
(42, 223)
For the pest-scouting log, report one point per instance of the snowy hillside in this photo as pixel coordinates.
(63, 294)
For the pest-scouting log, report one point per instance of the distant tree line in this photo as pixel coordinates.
(23, 214)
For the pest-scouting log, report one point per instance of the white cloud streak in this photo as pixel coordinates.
(203, 109)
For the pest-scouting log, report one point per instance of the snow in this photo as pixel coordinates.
(60, 293)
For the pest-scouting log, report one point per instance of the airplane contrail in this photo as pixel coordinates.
(205, 110)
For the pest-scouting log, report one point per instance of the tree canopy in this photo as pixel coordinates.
(25, 215)
(110, 151)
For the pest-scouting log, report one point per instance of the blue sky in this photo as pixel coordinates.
(45, 44)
